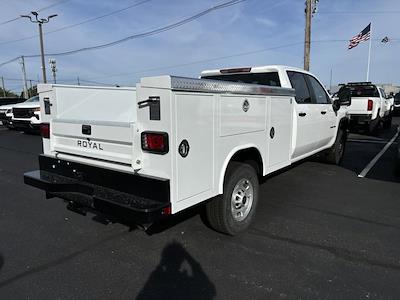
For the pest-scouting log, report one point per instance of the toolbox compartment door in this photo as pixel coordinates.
(194, 124)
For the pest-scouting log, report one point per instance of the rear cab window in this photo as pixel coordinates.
(362, 90)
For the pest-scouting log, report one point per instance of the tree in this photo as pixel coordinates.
(31, 91)
(8, 93)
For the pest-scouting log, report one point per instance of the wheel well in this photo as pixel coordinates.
(250, 156)
(344, 124)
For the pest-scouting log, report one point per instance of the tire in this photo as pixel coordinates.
(335, 154)
(226, 215)
(387, 124)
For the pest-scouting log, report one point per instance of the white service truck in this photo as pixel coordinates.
(369, 106)
(177, 142)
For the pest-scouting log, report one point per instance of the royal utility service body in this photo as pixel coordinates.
(174, 142)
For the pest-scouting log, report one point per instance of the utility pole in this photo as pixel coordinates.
(311, 9)
(22, 62)
(53, 67)
(79, 83)
(307, 36)
(40, 22)
(3, 87)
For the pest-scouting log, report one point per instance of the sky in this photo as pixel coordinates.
(251, 33)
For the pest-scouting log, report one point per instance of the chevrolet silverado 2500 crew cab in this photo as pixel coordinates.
(177, 142)
(26, 115)
(369, 106)
(6, 115)
(6, 104)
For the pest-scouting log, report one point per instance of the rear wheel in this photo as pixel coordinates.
(233, 211)
(335, 154)
(388, 121)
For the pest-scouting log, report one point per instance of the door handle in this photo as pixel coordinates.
(302, 114)
(323, 112)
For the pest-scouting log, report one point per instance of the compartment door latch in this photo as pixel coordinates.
(47, 106)
(153, 102)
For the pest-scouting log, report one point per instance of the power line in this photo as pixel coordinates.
(99, 17)
(10, 61)
(41, 9)
(79, 23)
(140, 35)
(359, 12)
(151, 32)
(250, 52)
(202, 61)
(222, 58)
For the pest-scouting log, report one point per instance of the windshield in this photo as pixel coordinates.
(362, 90)
(271, 78)
(33, 99)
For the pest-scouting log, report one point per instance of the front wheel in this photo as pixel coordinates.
(233, 211)
(334, 155)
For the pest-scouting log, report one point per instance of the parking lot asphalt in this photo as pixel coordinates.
(320, 233)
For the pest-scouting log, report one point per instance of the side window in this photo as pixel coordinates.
(320, 95)
(382, 93)
(300, 85)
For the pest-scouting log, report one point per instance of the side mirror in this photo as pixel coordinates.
(336, 105)
(344, 97)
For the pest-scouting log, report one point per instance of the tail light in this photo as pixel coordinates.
(155, 142)
(370, 105)
(45, 130)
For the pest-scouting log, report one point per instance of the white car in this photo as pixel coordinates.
(177, 142)
(26, 115)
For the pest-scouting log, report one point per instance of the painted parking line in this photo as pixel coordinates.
(366, 141)
(378, 156)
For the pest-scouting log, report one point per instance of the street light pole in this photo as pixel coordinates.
(42, 53)
(40, 22)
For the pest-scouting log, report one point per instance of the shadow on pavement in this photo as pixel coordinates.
(177, 276)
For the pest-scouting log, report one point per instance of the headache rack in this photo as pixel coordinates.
(218, 86)
(359, 83)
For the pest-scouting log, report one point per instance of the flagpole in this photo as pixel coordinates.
(369, 52)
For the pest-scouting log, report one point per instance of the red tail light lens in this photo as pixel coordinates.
(45, 130)
(155, 142)
(370, 104)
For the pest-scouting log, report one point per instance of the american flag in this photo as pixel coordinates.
(361, 37)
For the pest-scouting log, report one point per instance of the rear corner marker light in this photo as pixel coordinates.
(370, 105)
(155, 142)
(45, 130)
(166, 211)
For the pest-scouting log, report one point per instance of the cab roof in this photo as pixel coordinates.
(256, 69)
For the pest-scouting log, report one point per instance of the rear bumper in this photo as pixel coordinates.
(359, 119)
(140, 199)
(22, 124)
